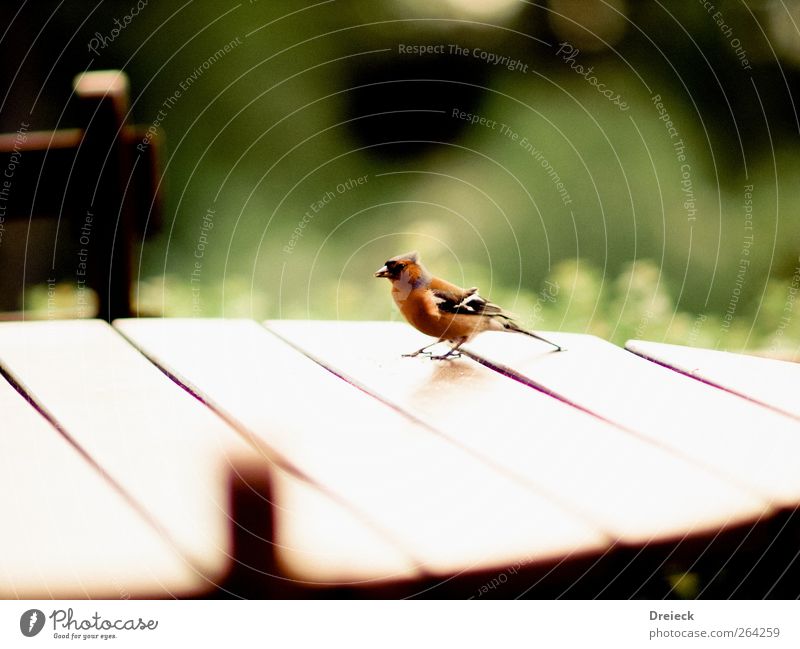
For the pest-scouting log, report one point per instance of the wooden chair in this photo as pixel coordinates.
(102, 188)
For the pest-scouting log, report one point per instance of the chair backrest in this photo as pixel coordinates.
(98, 185)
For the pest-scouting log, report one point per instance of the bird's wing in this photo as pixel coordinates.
(450, 298)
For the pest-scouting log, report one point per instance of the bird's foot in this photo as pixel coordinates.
(446, 357)
(417, 353)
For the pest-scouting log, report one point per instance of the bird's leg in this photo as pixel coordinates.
(452, 352)
(420, 351)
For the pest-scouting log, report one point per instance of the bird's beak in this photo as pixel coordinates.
(382, 272)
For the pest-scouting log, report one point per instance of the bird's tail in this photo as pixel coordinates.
(510, 325)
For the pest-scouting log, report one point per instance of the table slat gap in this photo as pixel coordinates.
(662, 354)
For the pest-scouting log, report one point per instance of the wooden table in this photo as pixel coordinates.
(225, 458)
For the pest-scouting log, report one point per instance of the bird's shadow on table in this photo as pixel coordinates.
(444, 373)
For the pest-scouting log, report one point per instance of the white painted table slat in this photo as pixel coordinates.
(773, 383)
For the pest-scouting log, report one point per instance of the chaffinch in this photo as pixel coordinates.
(443, 310)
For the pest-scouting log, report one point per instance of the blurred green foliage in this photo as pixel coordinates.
(284, 120)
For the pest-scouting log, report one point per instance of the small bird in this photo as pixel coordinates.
(443, 310)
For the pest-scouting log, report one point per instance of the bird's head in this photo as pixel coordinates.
(405, 268)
